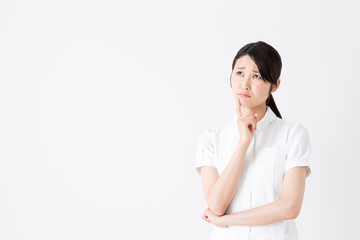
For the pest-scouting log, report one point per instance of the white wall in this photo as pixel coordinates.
(102, 104)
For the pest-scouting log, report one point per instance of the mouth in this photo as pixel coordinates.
(243, 95)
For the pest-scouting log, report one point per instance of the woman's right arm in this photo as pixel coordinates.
(220, 190)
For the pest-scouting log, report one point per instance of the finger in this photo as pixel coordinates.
(253, 123)
(205, 214)
(257, 120)
(238, 108)
(250, 122)
(205, 218)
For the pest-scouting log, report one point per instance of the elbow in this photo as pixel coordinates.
(292, 211)
(217, 209)
(216, 206)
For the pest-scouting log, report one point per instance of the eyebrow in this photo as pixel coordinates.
(244, 68)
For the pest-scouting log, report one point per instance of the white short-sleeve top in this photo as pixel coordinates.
(277, 146)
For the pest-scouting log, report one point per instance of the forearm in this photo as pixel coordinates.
(267, 214)
(223, 190)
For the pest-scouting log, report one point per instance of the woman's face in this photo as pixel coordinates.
(246, 79)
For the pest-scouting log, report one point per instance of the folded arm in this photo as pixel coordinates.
(220, 190)
(287, 207)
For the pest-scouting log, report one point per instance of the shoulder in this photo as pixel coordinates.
(290, 126)
(294, 132)
(290, 131)
(212, 135)
(207, 135)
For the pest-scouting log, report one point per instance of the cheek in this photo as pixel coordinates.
(262, 88)
(234, 83)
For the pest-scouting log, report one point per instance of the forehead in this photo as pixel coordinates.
(247, 62)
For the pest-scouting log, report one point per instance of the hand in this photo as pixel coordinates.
(210, 217)
(247, 124)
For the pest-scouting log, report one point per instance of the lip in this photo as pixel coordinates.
(243, 95)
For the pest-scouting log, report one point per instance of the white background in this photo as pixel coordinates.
(102, 104)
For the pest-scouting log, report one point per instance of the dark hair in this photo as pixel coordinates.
(269, 63)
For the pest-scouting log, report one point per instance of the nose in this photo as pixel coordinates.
(245, 84)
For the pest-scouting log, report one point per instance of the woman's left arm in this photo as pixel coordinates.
(287, 207)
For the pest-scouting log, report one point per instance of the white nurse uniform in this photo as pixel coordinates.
(277, 146)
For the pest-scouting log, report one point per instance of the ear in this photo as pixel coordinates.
(275, 87)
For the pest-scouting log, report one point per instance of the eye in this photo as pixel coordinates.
(239, 73)
(257, 76)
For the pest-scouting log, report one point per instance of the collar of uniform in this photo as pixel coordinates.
(264, 122)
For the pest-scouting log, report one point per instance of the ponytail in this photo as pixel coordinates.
(271, 103)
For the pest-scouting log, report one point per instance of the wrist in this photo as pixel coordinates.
(221, 221)
(243, 144)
